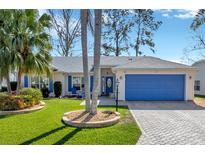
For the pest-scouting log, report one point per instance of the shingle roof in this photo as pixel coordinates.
(75, 64)
(198, 62)
(147, 62)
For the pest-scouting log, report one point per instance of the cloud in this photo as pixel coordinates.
(178, 13)
(185, 14)
(165, 15)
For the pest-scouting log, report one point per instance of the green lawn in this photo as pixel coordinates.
(45, 127)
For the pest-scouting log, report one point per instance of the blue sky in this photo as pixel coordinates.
(171, 39)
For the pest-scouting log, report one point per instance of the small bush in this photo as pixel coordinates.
(13, 85)
(3, 89)
(10, 102)
(45, 92)
(15, 102)
(34, 93)
(57, 88)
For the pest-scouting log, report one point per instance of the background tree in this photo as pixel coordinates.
(67, 27)
(145, 26)
(97, 47)
(197, 44)
(116, 27)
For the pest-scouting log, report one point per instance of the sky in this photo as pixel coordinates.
(172, 38)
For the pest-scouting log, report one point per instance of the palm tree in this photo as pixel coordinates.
(84, 22)
(6, 54)
(32, 42)
(97, 45)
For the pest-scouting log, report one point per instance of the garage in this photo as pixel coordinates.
(155, 87)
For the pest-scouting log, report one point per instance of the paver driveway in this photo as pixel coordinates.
(169, 122)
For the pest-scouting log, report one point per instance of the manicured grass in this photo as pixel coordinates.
(45, 127)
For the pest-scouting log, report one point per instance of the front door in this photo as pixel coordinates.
(109, 85)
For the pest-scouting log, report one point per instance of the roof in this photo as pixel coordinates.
(148, 62)
(198, 62)
(75, 64)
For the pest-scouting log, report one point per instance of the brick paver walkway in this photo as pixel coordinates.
(169, 122)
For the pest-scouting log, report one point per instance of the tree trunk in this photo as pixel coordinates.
(97, 45)
(83, 16)
(19, 80)
(8, 83)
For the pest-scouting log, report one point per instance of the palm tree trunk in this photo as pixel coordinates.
(97, 45)
(8, 84)
(19, 80)
(83, 16)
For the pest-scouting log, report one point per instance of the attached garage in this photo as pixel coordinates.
(154, 79)
(154, 87)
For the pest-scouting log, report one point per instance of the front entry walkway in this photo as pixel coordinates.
(169, 122)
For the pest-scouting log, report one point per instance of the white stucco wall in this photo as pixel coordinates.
(189, 83)
(201, 77)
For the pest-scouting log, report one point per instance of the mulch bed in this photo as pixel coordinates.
(83, 116)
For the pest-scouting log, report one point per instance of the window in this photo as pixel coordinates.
(77, 82)
(39, 82)
(197, 85)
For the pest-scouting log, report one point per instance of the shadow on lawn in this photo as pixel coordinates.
(42, 136)
(68, 136)
(61, 141)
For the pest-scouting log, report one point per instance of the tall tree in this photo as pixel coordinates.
(32, 42)
(84, 15)
(67, 27)
(97, 47)
(145, 26)
(116, 27)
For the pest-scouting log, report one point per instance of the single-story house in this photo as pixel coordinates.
(140, 78)
(199, 87)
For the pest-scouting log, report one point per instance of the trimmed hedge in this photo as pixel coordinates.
(45, 92)
(57, 88)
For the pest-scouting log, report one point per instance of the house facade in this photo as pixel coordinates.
(140, 78)
(199, 87)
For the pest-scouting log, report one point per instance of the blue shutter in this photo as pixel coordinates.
(25, 81)
(69, 83)
(51, 85)
(91, 83)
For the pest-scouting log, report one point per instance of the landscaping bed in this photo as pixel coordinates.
(27, 99)
(82, 118)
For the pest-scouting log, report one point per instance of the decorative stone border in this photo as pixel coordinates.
(27, 110)
(97, 124)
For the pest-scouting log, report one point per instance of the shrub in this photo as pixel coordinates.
(13, 85)
(15, 102)
(10, 102)
(57, 88)
(35, 94)
(45, 92)
(3, 89)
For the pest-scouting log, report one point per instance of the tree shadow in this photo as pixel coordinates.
(3, 116)
(68, 136)
(42, 135)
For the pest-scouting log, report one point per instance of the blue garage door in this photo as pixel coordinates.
(154, 87)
